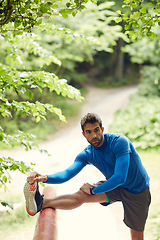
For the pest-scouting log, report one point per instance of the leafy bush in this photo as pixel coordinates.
(150, 85)
(139, 121)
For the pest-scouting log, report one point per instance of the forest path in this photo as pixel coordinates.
(90, 221)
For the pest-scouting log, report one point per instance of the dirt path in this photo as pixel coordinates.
(91, 221)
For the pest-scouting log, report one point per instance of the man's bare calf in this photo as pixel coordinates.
(71, 201)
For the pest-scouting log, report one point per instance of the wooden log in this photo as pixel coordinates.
(46, 223)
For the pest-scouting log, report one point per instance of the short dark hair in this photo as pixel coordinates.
(90, 118)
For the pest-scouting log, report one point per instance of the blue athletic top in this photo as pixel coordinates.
(117, 159)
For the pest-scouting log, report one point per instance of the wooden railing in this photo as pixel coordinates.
(46, 223)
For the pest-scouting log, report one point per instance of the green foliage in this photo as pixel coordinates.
(150, 85)
(24, 83)
(71, 40)
(145, 49)
(26, 14)
(140, 17)
(97, 21)
(9, 164)
(140, 122)
(19, 47)
(90, 32)
(6, 204)
(41, 130)
(18, 100)
(58, 44)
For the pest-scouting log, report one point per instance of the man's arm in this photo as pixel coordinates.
(59, 177)
(67, 174)
(116, 180)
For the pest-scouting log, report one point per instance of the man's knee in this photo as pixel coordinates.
(81, 197)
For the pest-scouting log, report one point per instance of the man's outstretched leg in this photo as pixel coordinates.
(71, 201)
(35, 201)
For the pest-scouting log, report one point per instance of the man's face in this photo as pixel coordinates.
(94, 134)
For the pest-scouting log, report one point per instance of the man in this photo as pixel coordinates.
(126, 178)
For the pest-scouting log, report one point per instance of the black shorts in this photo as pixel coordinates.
(136, 205)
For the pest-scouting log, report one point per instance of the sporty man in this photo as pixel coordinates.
(126, 178)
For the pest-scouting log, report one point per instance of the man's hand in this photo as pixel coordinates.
(36, 177)
(86, 188)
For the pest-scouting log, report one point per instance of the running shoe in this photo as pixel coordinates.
(34, 199)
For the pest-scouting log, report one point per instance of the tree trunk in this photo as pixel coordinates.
(118, 71)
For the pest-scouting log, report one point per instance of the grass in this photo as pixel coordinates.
(17, 216)
(151, 161)
(14, 222)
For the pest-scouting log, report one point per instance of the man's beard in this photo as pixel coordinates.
(96, 142)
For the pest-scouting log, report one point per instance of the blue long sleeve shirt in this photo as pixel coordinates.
(117, 159)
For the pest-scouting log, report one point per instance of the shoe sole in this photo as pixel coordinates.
(29, 193)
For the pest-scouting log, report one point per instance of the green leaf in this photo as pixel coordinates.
(134, 5)
(137, 14)
(29, 93)
(39, 21)
(119, 12)
(63, 13)
(151, 34)
(143, 10)
(5, 204)
(118, 20)
(44, 8)
(40, 107)
(4, 179)
(74, 13)
(150, 4)
(93, 1)
(68, 4)
(38, 119)
(17, 23)
(55, 6)
(135, 24)
(127, 27)
(126, 14)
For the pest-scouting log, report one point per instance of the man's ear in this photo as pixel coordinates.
(83, 134)
(102, 129)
